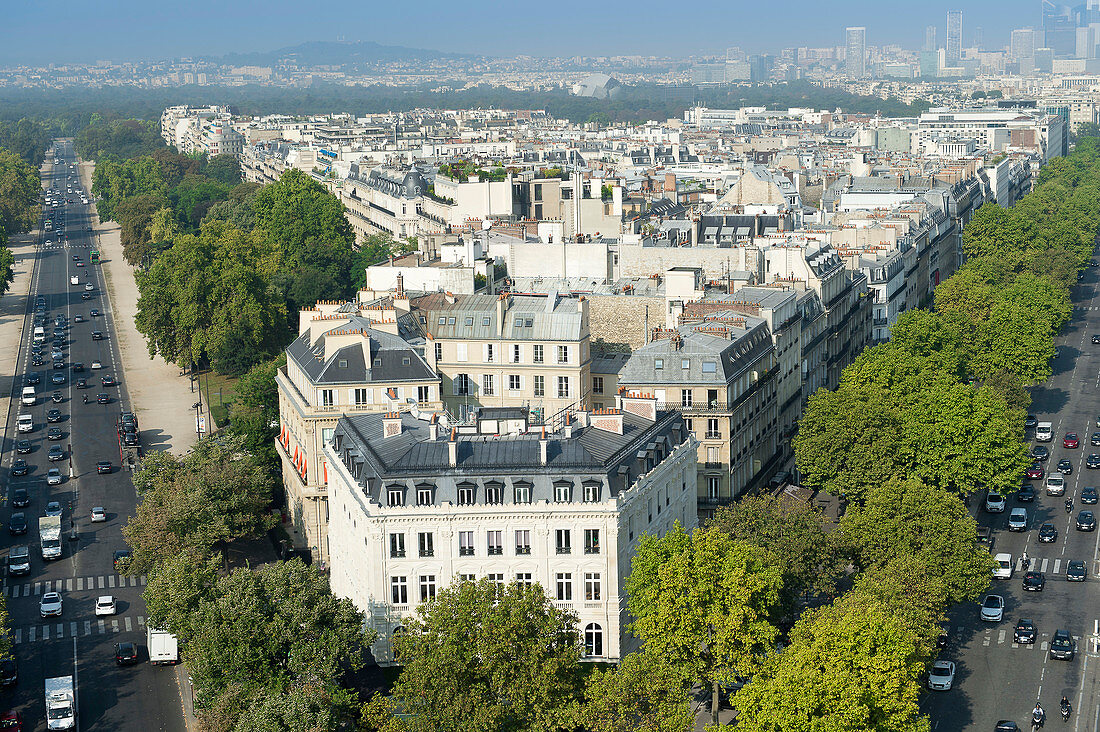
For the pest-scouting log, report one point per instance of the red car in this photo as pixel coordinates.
(1070, 441)
(12, 721)
(1035, 471)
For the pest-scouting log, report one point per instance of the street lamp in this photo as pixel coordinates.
(196, 406)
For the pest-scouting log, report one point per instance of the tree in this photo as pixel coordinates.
(1016, 339)
(134, 215)
(255, 410)
(794, 533)
(643, 693)
(198, 502)
(482, 657)
(903, 518)
(304, 707)
(297, 209)
(224, 169)
(19, 190)
(178, 583)
(702, 601)
(270, 628)
(7, 269)
(373, 249)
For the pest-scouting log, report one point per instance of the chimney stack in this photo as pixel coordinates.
(544, 448)
(452, 450)
(391, 425)
(568, 429)
(433, 428)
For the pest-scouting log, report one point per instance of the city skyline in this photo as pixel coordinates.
(139, 31)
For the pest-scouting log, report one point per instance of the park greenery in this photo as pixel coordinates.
(19, 193)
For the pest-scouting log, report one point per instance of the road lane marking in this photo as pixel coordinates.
(100, 579)
(45, 632)
(102, 627)
(128, 623)
(69, 585)
(1057, 564)
(80, 583)
(111, 581)
(114, 625)
(18, 635)
(60, 630)
(37, 588)
(72, 629)
(87, 627)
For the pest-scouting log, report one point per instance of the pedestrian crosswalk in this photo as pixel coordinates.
(1000, 637)
(73, 584)
(1046, 566)
(78, 629)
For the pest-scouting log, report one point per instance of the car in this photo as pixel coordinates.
(1096, 338)
(105, 605)
(59, 364)
(1071, 441)
(50, 605)
(1034, 581)
(1062, 646)
(20, 498)
(56, 453)
(97, 364)
(9, 674)
(37, 360)
(89, 286)
(22, 447)
(32, 379)
(994, 502)
(1017, 519)
(1040, 452)
(97, 335)
(1024, 632)
(1048, 534)
(1065, 467)
(1056, 484)
(99, 515)
(19, 467)
(126, 653)
(53, 508)
(78, 367)
(94, 312)
(1026, 494)
(993, 608)
(103, 466)
(1031, 421)
(1086, 521)
(54, 415)
(1075, 571)
(1035, 471)
(81, 383)
(54, 433)
(109, 380)
(1092, 461)
(122, 559)
(57, 378)
(86, 296)
(78, 318)
(1089, 495)
(17, 524)
(53, 476)
(102, 398)
(941, 676)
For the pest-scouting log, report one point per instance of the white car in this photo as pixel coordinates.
(994, 503)
(993, 608)
(89, 286)
(942, 676)
(105, 605)
(53, 476)
(99, 515)
(50, 604)
(96, 364)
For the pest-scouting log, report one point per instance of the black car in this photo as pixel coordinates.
(1062, 646)
(37, 360)
(1076, 571)
(109, 380)
(56, 453)
(17, 524)
(19, 467)
(9, 671)
(103, 466)
(1031, 421)
(59, 364)
(102, 398)
(81, 383)
(78, 367)
(97, 335)
(31, 379)
(23, 447)
(126, 654)
(1086, 521)
(54, 415)
(1089, 495)
(1006, 725)
(94, 313)
(20, 498)
(54, 433)
(1034, 581)
(1026, 494)
(1096, 339)
(86, 296)
(1040, 452)
(1092, 461)
(1024, 632)
(1048, 534)
(1065, 467)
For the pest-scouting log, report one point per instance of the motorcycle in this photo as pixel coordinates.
(1038, 716)
(85, 398)
(1066, 710)
(56, 396)
(1069, 505)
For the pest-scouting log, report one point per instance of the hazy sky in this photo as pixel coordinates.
(44, 31)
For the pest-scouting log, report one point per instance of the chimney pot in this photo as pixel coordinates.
(452, 450)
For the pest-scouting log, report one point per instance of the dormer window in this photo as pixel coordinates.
(442, 321)
(343, 363)
(405, 361)
(377, 362)
(469, 321)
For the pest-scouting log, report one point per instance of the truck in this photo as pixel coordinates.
(163, 647)
(94, 256)
(19, 560)
(60, 703)
(74, 280)
(49, 531)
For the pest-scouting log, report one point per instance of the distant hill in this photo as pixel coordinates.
(337, 53)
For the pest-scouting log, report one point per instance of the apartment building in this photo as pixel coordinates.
(1001, 130)
(530, 351)
(348, 358)
(721, 374)
(416, 506)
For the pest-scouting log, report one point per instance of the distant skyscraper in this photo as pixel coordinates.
(954, 37)
(979, 37)
(1060, 28)
(1023, 43)
(855, 41)
(930, 38)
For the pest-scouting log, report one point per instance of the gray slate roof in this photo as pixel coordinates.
(393, 360)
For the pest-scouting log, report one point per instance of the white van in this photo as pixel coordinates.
(1017, 519)
(1056, 484)
(25, 423)
(29, 397)
(39, 334)
(1002, 566)
(1044, 432)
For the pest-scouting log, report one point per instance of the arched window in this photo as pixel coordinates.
(593, 640)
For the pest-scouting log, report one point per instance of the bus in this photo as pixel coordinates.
(94, 256)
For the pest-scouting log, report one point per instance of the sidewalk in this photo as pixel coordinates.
(13, 312)
(160, 396)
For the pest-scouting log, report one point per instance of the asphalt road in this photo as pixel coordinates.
(996, 678)
(140, 697)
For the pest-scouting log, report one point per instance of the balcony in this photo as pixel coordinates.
(523, 550)
(563, 550)
(466, 551)
(700, 408)
(496, 551)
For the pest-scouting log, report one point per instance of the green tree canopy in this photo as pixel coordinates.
(644, 693)
(19, 192)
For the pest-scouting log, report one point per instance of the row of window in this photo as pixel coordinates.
(563, 586)
(493, 352)
(494, 542)
(362, 396)
(709, 367)
(494, 493)
(465, 385)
